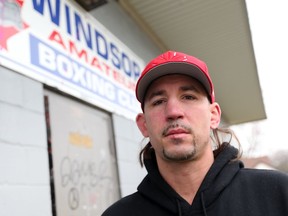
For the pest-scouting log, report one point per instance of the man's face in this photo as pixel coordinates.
(178, 117)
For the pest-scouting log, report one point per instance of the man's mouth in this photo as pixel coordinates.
(175, 131)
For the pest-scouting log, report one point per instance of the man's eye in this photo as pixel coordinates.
(189, 97)
(157, 102)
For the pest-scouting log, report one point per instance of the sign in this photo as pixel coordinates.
(58, 43)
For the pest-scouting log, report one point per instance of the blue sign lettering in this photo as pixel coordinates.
(78, 27)
(62, 66)
(54, 12)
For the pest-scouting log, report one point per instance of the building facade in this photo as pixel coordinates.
(69, 144)
(68, 140)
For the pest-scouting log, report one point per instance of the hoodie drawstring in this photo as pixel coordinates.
(203, 204)
(179, 208)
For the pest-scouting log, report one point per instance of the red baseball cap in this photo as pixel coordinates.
(172, 62)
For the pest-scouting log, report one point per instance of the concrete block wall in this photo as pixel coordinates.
(128, 141)
(24, 168)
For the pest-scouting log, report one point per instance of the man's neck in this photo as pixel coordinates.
(186, 177)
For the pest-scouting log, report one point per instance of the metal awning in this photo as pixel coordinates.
(217, 32)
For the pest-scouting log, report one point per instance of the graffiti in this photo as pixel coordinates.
(85, 182)
(73, 198)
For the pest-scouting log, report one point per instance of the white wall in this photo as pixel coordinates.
(24, 178)
(128, 142)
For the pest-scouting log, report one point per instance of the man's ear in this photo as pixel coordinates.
(141, 123)
(215, 115)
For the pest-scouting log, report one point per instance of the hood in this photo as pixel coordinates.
(221, 173)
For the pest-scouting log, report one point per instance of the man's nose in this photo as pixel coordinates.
(173, 110)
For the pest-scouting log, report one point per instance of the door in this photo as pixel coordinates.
(84, 178)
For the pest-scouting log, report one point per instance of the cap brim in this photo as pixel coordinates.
(168, 69)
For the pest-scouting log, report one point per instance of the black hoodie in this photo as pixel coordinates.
(228, 189)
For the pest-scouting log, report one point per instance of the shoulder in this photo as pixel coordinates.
(273, 178)
(274, 174)
(124, 206)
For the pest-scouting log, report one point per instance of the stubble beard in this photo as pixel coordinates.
(188, 155)
(185, 155)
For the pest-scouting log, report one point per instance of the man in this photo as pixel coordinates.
(190, 172)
